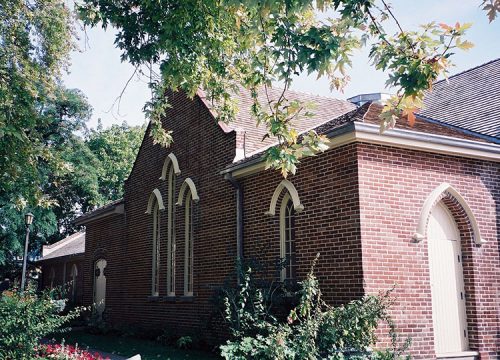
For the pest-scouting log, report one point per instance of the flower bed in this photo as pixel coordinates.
(66, 352)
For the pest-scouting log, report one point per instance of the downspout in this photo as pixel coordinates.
(239, 216)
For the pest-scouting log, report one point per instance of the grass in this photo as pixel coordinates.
(127, 347)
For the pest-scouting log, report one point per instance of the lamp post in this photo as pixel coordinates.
(28, 219)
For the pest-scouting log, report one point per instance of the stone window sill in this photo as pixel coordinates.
(461, 355)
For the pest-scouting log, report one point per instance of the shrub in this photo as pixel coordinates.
(25, 318)
(184, 342)
(313, 330)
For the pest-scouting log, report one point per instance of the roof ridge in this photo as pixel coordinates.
(202, 93)
(66, 239)
(467, 70)
(316, 95)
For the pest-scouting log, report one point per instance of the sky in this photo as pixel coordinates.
(97, 70)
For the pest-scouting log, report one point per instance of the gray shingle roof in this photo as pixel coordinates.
(71, 245)
(469, 101)
(325, 108)
(322, 128)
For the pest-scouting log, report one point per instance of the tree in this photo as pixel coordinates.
(220, 45)
(37, 183)
(36, 39)
(97, 166)
(46, 166)
(116, 149)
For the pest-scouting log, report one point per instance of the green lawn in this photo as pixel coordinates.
(126, 346)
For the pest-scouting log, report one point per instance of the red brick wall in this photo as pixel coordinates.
(394, 184)
(105, 239)
(203, 150)
(329, 224)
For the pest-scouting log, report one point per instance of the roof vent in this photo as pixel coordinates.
(362, 99)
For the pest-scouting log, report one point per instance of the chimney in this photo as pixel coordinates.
(362, 99)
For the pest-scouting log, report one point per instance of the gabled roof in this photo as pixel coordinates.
(70, 246)
(368, 115)
(469, 101)
(325, 108)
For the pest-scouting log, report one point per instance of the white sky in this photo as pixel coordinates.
(98, 71)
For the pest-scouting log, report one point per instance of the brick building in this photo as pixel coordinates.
(417, 206)
(62, 266)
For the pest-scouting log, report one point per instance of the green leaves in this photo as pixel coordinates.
(36, 39)
(25, 318)
(313, 330)
(414, 60)
(492, 8)
(220, 45)
(115, 149)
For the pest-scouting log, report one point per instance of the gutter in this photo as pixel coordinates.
(117, 207)
(400, 138)
(428, 142)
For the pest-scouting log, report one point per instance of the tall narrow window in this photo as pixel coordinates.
(188, 251)
(287, 238)
(52, 277)
(171, 232)
(74, 275)
(155, 278)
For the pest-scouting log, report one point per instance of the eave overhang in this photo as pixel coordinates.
(117, 208)
(400, 138)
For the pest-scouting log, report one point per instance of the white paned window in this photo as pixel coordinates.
(188, 251)
(171, 232)
(287, 238)
(74, 276)
(52, 277)
(155, 278)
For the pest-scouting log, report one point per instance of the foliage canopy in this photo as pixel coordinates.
(220, 45)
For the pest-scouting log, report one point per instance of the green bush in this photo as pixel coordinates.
(27, 317)
(313, 330)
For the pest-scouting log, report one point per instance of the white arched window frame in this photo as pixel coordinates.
(188, 195)
(171, 168)
(432, 200)
(290, 206)
(155, 197)
(155, 205)
(170, 162)
(285, 184)
(287, 238)
(74, 278)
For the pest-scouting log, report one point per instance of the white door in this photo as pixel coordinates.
(447, 282)
(100, 286)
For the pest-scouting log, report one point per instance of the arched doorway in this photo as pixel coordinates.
(447, 282)
(100, 286)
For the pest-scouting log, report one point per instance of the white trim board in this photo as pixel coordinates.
(405, 139)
